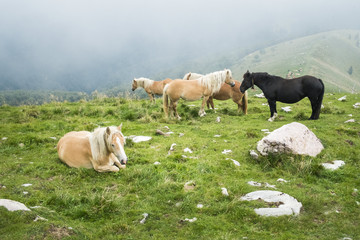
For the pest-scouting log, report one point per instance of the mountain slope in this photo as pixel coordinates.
(332, 56)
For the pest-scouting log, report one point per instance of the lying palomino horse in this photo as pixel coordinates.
(151, 87)
(192, 90)
(286, 90)
(226, 92)
(102, 149)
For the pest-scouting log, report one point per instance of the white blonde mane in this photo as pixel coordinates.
(144, 82)
(213, 81)
(97, 143)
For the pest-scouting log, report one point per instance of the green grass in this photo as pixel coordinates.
(85, 204)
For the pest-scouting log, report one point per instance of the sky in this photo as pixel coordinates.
(56, 43)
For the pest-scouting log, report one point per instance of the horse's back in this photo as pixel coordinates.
(74, 149)
(187, 89)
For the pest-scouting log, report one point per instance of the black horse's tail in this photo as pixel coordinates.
(319, 101)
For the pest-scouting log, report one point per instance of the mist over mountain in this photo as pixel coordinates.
(83, 45)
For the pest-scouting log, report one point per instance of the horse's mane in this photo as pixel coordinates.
(213, 81)
(97, 142)
(144, 82)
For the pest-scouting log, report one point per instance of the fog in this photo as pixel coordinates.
(83, 45)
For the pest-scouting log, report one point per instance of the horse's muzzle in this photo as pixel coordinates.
(123, 161)
(133, 89)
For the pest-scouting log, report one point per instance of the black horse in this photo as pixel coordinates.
(286, 90)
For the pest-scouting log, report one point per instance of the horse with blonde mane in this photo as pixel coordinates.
(192, 90)
(226, 92)
(151, 87)
(102, 149)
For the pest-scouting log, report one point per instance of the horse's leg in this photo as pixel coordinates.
(202, 111)
(153, 97)
(210, 102)
(105, 168)
(313, 107)
(175, 111)
(273, 112)
(116, 161)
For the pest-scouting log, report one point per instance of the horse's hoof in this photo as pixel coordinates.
(270, 119)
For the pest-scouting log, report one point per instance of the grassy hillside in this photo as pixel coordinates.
(328, 56)
(84, 204)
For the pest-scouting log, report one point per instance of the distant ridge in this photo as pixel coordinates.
(331, 56)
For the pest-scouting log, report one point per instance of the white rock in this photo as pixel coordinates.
(190, 220)
(188, 150)
(137, 139)
(260, 95)
(342, 99)
(255, 184)
(253, 154)
(265, 130)
(224, 191)
(350, 115)
(217, 135)
(145, 215)
(26, 185)
(350, 121)
(4, 138)
(25, 193)
(181, 134)
(218, 119)
(356, 105)
(269, 185)
(234, 161)
(282, 180)
(53, 138)
(21, 145)
(11, 205)
(334, 165)
(199, 205)
(167, 128)
(288, 204)
(38, 218)
(293, 138)
(172, 147)
(157, 163)
(286, 109)
(226, 151)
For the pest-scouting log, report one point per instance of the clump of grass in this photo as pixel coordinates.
(301, 116)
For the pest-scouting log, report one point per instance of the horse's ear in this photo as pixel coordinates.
(108, 131)
(119, 127)
(189, 75)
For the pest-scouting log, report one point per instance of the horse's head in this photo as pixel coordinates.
(134, 85)
(247, 82)
(115, 142)
(229, 80)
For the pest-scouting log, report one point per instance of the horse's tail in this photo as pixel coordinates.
(319, 101)
(244, 100)
(166, 101)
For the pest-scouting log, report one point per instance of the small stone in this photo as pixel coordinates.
(333, 165)
(224, 191)
(218, 119)
(188, 150)
(342, 99)
(26, 185)
(199, 205)
(253, 154)
(21, 145)
(226, 151)
(157, 163)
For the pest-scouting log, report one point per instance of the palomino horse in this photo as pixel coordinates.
(151, 87)
(102, 149)
(226, 92)
(192, 90)
(286, 90)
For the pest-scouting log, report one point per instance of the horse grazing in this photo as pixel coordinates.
(192, 90)
(102, 149)
(151, 87)
(286, 90)
(226, 92)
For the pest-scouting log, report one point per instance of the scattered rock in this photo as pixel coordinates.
(38, 218)
(166, 128)
(282, 180)
(260, 95)
(286, 109)
(255, 184)
(218, 119)
(159, 132)
(342, 99)
(350, 121)
(234, 161)
(4, 138)
(26, 185)
(157, 163)
(137, 139)
(293, 138)
(224, 191)
(53, 138)
(199, 205)
(12, 205)
(253, 154)
(171, 148)
(333, 165)
(217, 135)
(21, 145)
(189, 186)
(287, 205)
(226, 151)
(181, 134)
(356, 105)
(189, 220)
(188, 150)
(145, 215)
